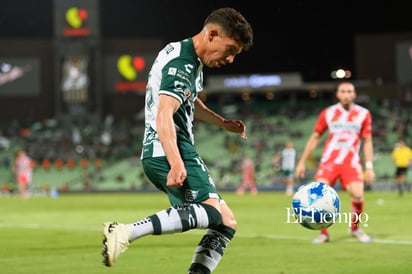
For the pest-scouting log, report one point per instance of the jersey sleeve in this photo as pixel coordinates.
(366, 130)
(321, 124)
(177, 78)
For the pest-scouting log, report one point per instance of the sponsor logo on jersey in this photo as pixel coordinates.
(187, 93)
(345, 126)
(169, 48)
(189, 68)
(172, 71)
(184, 76)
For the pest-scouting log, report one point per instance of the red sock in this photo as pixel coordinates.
(324, 232)
(357, 209)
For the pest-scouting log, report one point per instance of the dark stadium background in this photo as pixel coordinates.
(313, 37)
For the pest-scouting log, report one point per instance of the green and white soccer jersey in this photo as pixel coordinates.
(177, 72)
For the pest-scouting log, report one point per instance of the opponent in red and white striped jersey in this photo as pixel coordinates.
(23, 167)
(348, 125)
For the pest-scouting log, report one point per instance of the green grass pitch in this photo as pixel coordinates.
(57, 236)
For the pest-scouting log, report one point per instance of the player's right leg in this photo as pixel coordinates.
(116, 241)
(187, 213)
(175, 219)
(328, 176)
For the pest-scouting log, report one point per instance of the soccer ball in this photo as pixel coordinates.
(316, 205)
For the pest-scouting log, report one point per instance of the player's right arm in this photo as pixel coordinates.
(166, 133)
(309, 148)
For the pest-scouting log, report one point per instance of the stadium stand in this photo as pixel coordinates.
(112, 149)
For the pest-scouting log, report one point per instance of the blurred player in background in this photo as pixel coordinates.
(23, 169)
(286, 161)
(169, 157)
(402, 158)
(348, 124)
(248, 177)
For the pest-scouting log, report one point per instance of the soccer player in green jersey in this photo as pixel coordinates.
(169, 156)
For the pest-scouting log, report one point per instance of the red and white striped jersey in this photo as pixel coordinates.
(346, 129)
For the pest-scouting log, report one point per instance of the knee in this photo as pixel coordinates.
(357, 198)
(228, 219)
(214, 216)
(231, 222)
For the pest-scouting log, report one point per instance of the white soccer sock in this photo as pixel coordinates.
(175, 219)
(140, 228)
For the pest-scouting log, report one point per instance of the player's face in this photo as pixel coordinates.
(221, 51)
(346, 94)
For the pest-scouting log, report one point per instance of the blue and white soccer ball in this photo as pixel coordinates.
(316, 205)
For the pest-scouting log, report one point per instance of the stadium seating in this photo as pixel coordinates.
(121, 169)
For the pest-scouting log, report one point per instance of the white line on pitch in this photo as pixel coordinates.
(198, 231)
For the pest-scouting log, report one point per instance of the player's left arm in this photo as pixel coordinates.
(366, 133)
(368, 157)
(203, 113)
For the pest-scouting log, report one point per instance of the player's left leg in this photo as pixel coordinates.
(22, 184)
(289, 183)
(252, 187)
(356, 190)
(176, 219)
(400, 181)
(407, 185)
(242, 187)
(188, 210)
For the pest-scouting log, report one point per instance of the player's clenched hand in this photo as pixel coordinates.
(236, 126)
(176, 176)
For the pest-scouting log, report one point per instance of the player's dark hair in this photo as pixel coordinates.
(234, 24)
(341, 82)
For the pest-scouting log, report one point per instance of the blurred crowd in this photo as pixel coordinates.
(54, 144)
